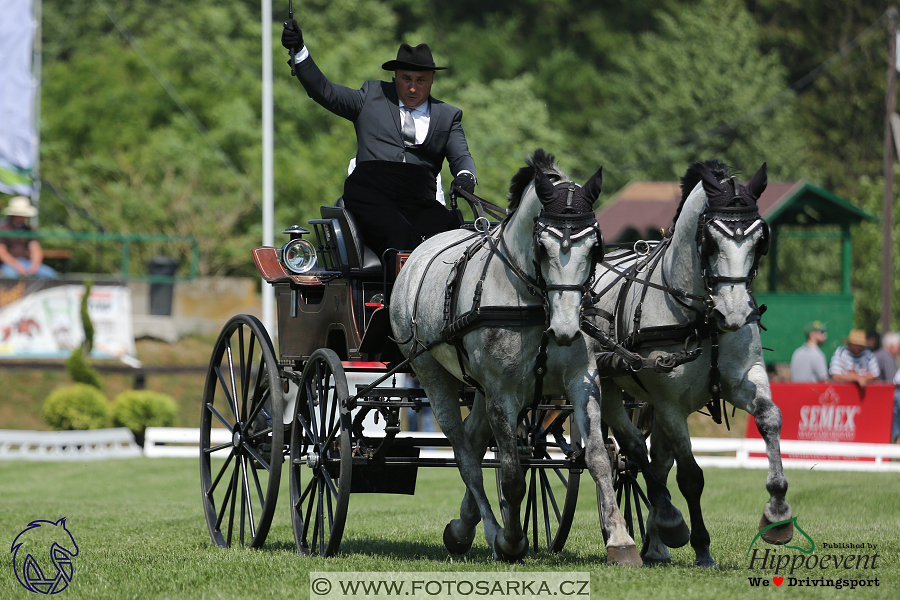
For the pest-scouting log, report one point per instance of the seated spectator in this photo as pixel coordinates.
(808, 363)
(21, 256)
(853, 362)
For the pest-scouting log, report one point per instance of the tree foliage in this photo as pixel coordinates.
(151, 111)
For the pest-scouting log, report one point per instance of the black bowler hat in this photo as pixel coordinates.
(412, 59)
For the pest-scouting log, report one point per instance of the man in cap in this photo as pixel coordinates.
(403, 135)
(21, 256)
(854, 362)
(808, 362)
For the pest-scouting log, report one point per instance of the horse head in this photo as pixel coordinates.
(567, 246)
(730, 239)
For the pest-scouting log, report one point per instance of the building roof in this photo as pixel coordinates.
(642, 208)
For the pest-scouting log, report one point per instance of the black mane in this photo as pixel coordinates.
(718, 168)
(541, 160)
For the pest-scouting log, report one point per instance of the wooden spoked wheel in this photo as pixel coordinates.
(242, 408)
(552, 491)
(320, 456)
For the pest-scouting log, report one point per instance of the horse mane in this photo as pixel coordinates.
(539, 160)
(691, 178)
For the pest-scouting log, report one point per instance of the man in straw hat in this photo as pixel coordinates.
(403, 135)
(21, 256)
(854, 362)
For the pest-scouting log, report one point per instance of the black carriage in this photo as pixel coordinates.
(295, 407)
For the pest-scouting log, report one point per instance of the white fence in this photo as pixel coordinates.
(93, 444)
(185, 443)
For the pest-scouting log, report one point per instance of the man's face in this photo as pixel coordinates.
(818, 337)
(855, 349)
(413, 87)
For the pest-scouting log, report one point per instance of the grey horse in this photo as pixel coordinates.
(698, 288)
(447, 311)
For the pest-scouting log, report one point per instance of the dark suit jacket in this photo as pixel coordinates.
(375, 112)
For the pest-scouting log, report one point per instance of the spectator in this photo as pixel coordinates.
(853, 362)
(887, 355)
(808, 363)
(21, 256)
(895, 427)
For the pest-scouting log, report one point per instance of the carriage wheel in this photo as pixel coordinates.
(630, 496)
(552, 492)
(320, 456)
(242, 397)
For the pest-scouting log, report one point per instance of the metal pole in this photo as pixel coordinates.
(37, 62)
(268, 136)
(887, 204)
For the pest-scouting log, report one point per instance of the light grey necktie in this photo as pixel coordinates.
(409, 127)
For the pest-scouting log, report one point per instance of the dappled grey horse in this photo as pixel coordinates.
(660, 301)
(501, 312)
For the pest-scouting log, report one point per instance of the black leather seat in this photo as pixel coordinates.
(361, 258)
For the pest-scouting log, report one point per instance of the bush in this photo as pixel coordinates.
(81, 371)
(139, 409)
(78, 406)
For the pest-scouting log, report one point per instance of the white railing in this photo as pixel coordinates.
(875, 457)
(92, 444)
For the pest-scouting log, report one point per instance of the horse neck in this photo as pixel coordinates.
(681, 266)
(518, 233)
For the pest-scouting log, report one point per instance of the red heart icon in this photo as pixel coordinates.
(778, 580)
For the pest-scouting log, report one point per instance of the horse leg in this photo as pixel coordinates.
(442, 389)
(672, 529)
(510, 544)
(653, 550)
(460, 533)
(620, 547)
(690, 482)
(768, 422)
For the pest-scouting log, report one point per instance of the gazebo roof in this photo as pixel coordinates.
(648, 206)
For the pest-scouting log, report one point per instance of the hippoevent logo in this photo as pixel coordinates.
(42, 556)
(838, 565)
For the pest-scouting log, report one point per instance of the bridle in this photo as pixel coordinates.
(567, 227)
(729, 221)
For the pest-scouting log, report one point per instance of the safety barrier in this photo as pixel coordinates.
(799, 454)
(93, 444)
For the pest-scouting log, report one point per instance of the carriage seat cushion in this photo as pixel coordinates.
(360, 257)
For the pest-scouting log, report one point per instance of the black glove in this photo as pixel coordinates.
(464, 182)
(292, 37)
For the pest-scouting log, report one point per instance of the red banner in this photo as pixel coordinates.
(832, 412)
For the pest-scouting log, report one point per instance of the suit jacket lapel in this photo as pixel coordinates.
(390, 92)
(435, 108)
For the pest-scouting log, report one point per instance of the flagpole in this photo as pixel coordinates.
(37, 57)
(268, 138)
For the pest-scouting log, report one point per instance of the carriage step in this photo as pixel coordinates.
(392, 392)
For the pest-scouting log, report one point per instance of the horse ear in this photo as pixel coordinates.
(545, 190)
(591, 190)
(711, 185)
(758, 182)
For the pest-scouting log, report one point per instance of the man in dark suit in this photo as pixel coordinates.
(403, 135)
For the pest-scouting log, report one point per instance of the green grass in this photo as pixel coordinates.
(141, 534)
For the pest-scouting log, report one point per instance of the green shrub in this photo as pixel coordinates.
(81, 371)
(78, 406)
(77, 364)
(139, 409)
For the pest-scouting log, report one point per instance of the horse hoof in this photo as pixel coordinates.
(650, 561)
(623, 555)
(674, 537)
(779, 535)
(515, 558)
(453, 545)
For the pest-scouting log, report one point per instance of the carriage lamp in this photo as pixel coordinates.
(298, 256)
